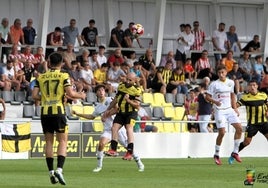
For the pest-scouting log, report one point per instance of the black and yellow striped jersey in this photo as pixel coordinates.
(256, 107)
(134, 92)
(165, 74)
(177, 77)
(51, 85)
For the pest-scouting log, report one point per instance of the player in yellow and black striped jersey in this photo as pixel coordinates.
(50, 89)
(256, 106)
(127, 101)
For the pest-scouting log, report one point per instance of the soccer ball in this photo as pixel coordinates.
(137, 30)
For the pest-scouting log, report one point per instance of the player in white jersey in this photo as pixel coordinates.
(105, 138)
(221, 94)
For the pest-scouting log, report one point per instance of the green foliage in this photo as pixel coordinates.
(159, 173)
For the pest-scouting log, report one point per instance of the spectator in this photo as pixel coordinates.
(68, 56)
(191, 107)
(190, 71)
(169, 57)
(265, 66)
(115, 57)
(116, 75)
(71, 33)
(87, 78)
(84, 57)
(41, 64)
(177, 82)
(185, 41)
(199, 41)
(53, 39)
(233, 41)
(16, 55)
(93, 61)
(148, 64)
(11, 74)
(228, 61)
(253, 45)
(245, 66)
(203, 67)
(74, 73)
(131, 58)
(101, 57)
(90, 35)
(237, 77)
(117, 35)
(142, 126)
(204, 110)
(29, 32)
(100, 76)
(137, 70)
(16, 34)
(258, 70)
(4, 31)
(162, 78)
(219, 40)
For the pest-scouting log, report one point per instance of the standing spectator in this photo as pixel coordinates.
(29, 32)
(162, 77)
(16, 34)
(228, 61)
(219, 40)
(54, 39)
(168, 57)
(128, 103)
(245, 66)
(4, 31)
(221, 94)
(71, 33)
(204, 109)
(177, 82)
(191, 107)
(53, 115)
(101, 57)
(185, 41)
(253, 45)
(117, 35)
(199, 41)
(89, 35)
(233, 41)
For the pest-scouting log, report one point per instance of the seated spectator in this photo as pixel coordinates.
(41, 64)
(87, 78)
(101, 57)
(190, 71)
(168, 57)
(100, 76)
(148, 64)
(131, 58)
(68, 56)
(115, 75)
(4, 84)
(115, 57)
(191, 109)
(228, 61)
(264, 84)
(83, 57)
(258, 70)
(15, 54)
(245, 66)
(203, 67)
(3, 112)
(124, 66)
(12, 75)
(177, 82)
(253, 45)
(74, 73)
(139, 74)
(162, 78)
(237, 77)
(143, 126)
(93, 61)
(265, 66)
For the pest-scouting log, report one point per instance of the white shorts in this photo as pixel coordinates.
(225, 117)
(122, 136)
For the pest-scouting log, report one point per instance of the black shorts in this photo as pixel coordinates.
(51, 124)
(180, 56)
(252, 130)
(126, 118)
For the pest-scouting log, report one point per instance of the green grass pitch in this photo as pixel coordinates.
(159, 173)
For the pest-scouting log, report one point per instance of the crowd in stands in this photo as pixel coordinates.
(177, 73)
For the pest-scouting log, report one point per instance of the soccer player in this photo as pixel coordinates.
(128, 102)
(105, 138)
(256, 104)
(221, 94)
(49, 89)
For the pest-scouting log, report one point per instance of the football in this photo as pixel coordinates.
(137, 30)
